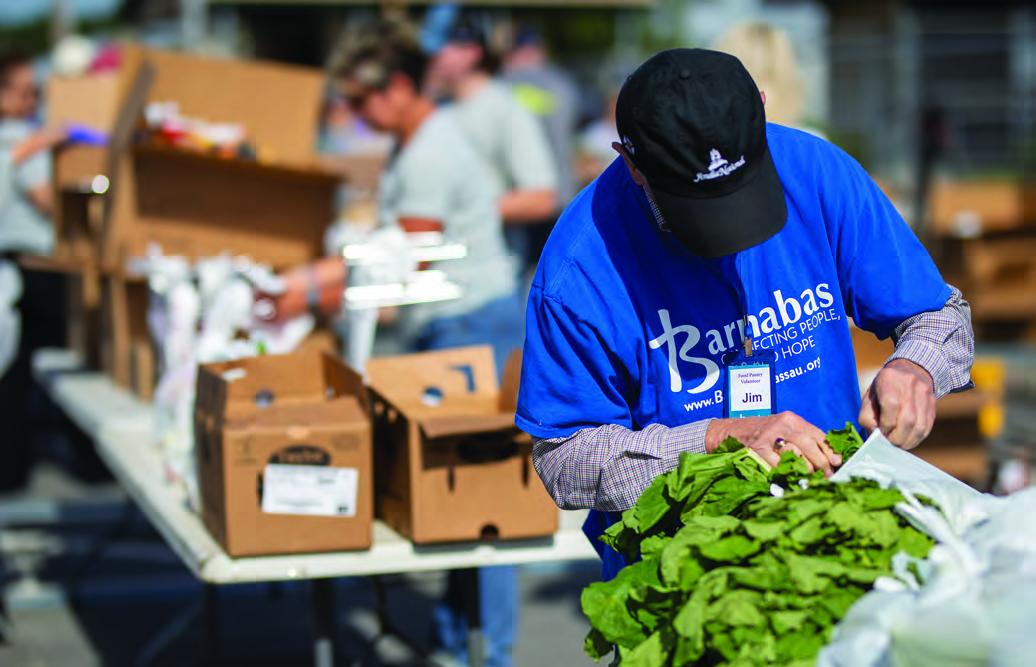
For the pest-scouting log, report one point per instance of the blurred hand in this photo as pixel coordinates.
(900, 402)
(772, 435)
(40, 140)
(324, 278)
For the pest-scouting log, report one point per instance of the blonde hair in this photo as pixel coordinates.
(767, 54)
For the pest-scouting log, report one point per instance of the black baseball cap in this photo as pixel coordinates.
(692, 121)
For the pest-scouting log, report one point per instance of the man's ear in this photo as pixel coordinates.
(762, 94)
(638, 177)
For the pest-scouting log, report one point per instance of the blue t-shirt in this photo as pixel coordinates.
(625, 326)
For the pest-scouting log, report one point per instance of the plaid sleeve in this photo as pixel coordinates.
(941, 342)
(608, 467)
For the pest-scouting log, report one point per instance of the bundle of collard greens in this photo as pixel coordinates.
(727, 573)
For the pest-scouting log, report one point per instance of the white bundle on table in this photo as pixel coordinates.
(970, 603)
(202, 312)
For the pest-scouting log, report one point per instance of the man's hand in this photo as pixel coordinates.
(901, 402)
(772, 435)
(318, 285)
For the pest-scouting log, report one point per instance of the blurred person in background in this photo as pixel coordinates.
(505, 134)
(551, 95)
(26, 229)
(343, 133)
(26, 226)
(768, 55)
(595, 150)
(434, 180)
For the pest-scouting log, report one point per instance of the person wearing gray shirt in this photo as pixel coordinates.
(437, 176)
(435, 181)
(510, 139)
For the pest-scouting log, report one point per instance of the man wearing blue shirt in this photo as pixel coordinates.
(720, 249)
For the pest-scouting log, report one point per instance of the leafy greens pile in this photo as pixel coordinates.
(727, 573)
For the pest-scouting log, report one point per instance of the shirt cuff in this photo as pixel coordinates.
(929, 357)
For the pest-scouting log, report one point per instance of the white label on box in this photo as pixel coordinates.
(311, 490)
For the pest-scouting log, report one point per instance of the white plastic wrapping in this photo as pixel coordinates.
(971, 603)
(204, 312)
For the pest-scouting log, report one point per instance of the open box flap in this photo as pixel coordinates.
(460, 425)
(456, 377)
(345, 381)
(306, 375)
(509, 382)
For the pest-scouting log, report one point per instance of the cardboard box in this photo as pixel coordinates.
(298, 415)
(274, 209)
(93, 101)
(450, 465)
(969, 208)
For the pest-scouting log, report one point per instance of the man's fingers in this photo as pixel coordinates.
(816, 456)
(868, 412)
(890, 405)
(768, 454)
(901, 434)
(819, 437)
(792, 447)
(924, 408)
(833, 457)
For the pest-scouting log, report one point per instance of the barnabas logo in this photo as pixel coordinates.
(301, 455)
(680, 342)
(669, 340)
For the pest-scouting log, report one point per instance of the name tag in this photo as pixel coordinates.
(750, 390)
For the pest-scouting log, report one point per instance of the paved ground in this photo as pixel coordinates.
(136, 590)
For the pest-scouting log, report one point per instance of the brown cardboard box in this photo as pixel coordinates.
(191, 203)
(316, 416)
(450, 464)
(274, 210)
(91, 100)
(973, 207)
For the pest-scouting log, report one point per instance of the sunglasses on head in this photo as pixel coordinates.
(372, 78)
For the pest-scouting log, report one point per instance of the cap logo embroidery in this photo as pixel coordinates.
(629, 145)
(719, 167)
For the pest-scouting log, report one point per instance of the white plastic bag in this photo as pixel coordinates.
(974, 604)
(202, 312)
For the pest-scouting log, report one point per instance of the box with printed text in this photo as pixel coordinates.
(283, 446)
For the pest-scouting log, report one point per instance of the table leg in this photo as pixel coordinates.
(168, 634)
(210, 642)
(322, 601)
(473, 609)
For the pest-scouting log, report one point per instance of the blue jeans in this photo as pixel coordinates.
(499, 323)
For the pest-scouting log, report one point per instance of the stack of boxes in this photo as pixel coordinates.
(984, 239)
(296, 454)
(273, 209)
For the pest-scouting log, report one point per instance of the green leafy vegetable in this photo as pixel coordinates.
(725, 573)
